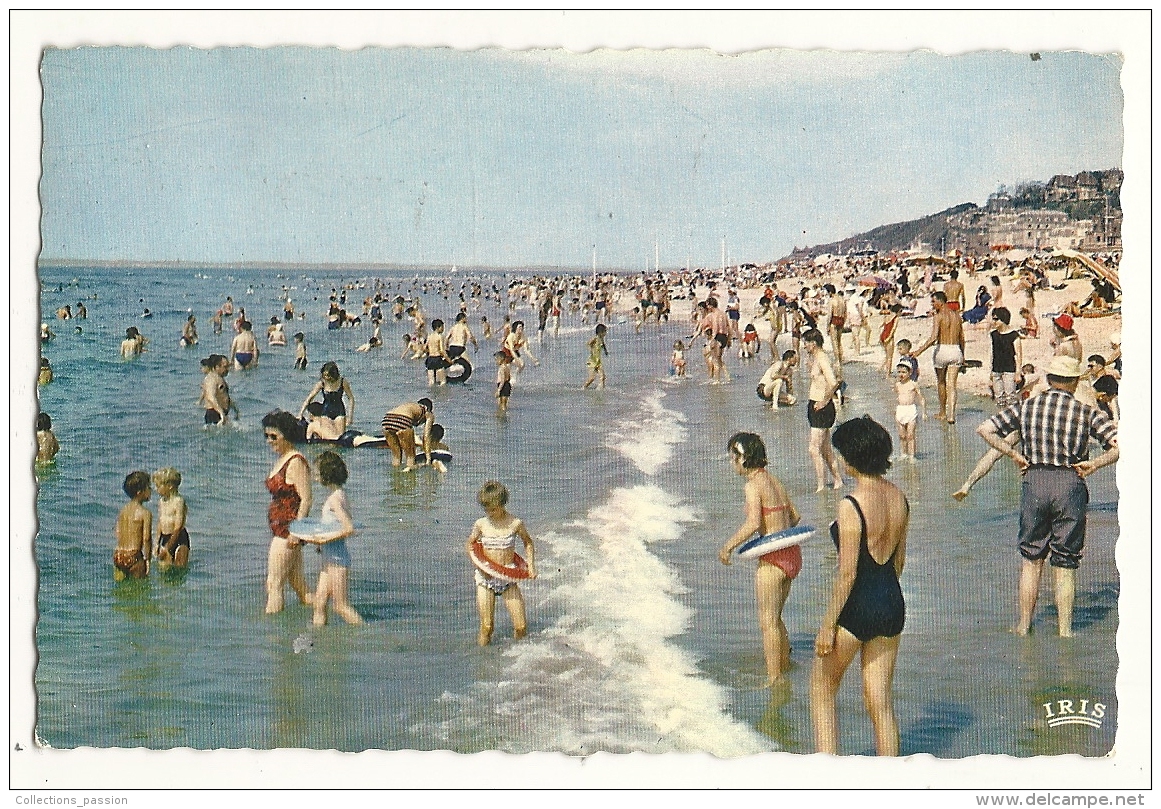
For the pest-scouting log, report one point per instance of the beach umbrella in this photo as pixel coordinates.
(874, 281)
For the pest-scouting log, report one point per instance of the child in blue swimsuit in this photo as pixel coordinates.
(337, 525)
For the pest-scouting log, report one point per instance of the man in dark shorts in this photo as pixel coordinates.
(1055, 430)
(717, 320)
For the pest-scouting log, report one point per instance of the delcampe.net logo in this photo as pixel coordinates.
(1074, 712)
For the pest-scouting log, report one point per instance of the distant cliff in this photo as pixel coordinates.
(930, 229)
(1089, 216)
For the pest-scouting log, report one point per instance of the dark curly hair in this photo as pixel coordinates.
(290, 427)
(864, 444)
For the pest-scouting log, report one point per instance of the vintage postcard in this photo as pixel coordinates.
(727, 400)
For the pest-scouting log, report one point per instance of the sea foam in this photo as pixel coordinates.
(648, 437)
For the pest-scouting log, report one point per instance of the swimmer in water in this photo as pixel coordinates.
(503, 379)
(134, 530)
(244, 348)
(275, 335)
(46, 444)
(215, 395)
(437, 357)
(300, 351)
(189, 332)
(437, 444)
(515, 342)
(133, 344)
(172, 537)
(45, 374)
(333, 388)
(497, 533)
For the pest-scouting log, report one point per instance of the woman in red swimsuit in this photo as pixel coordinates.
(768, 509)
(289, 486)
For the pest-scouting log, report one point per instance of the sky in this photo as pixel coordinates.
(503, 158)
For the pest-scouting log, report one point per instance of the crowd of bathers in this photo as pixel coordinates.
(809, 311)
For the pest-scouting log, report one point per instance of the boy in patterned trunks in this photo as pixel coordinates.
(134, 530)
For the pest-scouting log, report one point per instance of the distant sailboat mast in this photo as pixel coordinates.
(723, 254)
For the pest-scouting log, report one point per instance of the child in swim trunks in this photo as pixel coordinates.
(497, 533)
(908, 407)
(46, 444)
(331, 471)
(503, 379)
(134, 531)
(172, 538)
(300, 351)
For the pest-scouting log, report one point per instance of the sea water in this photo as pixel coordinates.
(640, 640)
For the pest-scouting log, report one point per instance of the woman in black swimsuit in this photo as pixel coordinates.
(333, 388)
(866, 610)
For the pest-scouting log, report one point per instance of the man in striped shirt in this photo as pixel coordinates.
(1052, 455)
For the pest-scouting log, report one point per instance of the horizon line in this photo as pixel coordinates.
(183, 264)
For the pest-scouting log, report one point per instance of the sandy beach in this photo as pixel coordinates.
(1094, 333)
